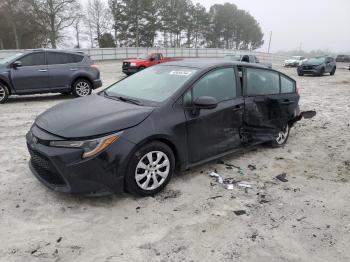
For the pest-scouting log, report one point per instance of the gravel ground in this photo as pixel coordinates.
(304, 219)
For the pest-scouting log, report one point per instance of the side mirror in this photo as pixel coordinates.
(17, 64)
(206, 102)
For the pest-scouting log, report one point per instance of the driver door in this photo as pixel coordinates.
(32, 76)
(214, 131)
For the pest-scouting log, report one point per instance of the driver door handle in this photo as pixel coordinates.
(237, 107)
(42, 70)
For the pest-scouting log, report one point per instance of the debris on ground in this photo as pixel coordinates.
(240, 212)
(221, 180)
(244, 185)
(241, 172)
(251, 167)
(282, 177)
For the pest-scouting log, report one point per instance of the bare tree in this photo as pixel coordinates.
(98, 19)
(54, 16)
(11, 6)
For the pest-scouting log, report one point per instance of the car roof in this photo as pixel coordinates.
(54, 50)
(203, 63)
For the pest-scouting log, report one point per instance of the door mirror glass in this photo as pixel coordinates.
(206, 102)
(17, 64)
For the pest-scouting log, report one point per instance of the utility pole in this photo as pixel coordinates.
(268, 50)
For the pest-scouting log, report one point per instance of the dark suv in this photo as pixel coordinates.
(318, 66)
(48, 71)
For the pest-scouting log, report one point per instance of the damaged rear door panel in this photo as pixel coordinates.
(271, 103)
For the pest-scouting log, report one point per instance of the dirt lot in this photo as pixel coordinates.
(304, 219)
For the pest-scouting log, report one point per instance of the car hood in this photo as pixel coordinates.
(91, 116)
(311, 63)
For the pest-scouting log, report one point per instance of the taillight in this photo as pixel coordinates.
(93, 66)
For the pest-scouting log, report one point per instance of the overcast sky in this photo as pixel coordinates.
(313, 24)
(317, 24)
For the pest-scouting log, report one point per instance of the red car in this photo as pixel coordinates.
(132, 66)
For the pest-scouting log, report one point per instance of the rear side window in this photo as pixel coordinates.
(76, 58)
(287, 85)
(34, 59)
(60, 58)
(220, 84)
(262, 82)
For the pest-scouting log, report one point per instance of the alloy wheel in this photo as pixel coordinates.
(82, 88)
(282, 135)
(152, 170)
(2, 93)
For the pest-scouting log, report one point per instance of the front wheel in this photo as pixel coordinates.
(4, 94)
(150, 169)
(82, 88)
(333, 71)
(300, 73)
(321, 73)
(281, 138)
(141, 68)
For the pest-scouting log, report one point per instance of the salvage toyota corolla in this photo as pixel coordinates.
(135, 134)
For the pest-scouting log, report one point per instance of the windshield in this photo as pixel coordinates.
(155, 84)
(233, 57)
(296, 57)
(317, 60)
(10, 58)
(143, 57)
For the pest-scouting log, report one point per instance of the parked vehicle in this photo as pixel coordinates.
(294, 61)
(247, 59)
(48, 71)
(318, 66)
(343, 58)
(133, 66)
(136, 133)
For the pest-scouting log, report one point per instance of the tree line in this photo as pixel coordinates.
(138, 23)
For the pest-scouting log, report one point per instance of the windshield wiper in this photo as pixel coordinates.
(124, 99)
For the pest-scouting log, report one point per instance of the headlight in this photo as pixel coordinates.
(91, 147)
(132, 64)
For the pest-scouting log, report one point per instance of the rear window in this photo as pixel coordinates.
(262, 82)
(287, 85)
(63, 58)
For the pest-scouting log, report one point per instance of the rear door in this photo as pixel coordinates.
(214, 131)
(271, 101)
(32, 76)
(61, 67)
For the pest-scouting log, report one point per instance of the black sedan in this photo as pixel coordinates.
(135, 134)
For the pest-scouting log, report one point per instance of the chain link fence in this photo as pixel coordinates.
(120, 53)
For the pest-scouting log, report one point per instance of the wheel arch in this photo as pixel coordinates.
(3, 82)
(81, 77)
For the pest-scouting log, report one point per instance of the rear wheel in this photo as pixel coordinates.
(82, 88)
(4, 94)
(150, 169)
(281, 138)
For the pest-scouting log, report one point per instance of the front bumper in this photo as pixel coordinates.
(63, 169)
(311, 71)
(130, 70)
(97, 83)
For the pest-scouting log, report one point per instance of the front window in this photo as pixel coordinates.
(317, 60)
(34, 59)
(143, 57)
(10, 58)
(155, 84)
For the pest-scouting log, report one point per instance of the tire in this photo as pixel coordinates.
(81, 88)
(333, 71)
(4, 94)
(300, 73)
(141, 174)
(321, 73)
(141, 68)
(281, 138)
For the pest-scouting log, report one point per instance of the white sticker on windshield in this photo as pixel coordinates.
(180, 73)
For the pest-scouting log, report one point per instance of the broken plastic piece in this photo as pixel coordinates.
(241, 172)
(220, 180)
(244, 185)
(239, 212)
(282, 177)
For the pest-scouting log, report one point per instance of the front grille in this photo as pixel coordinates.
(307, 67)
(45, 169)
